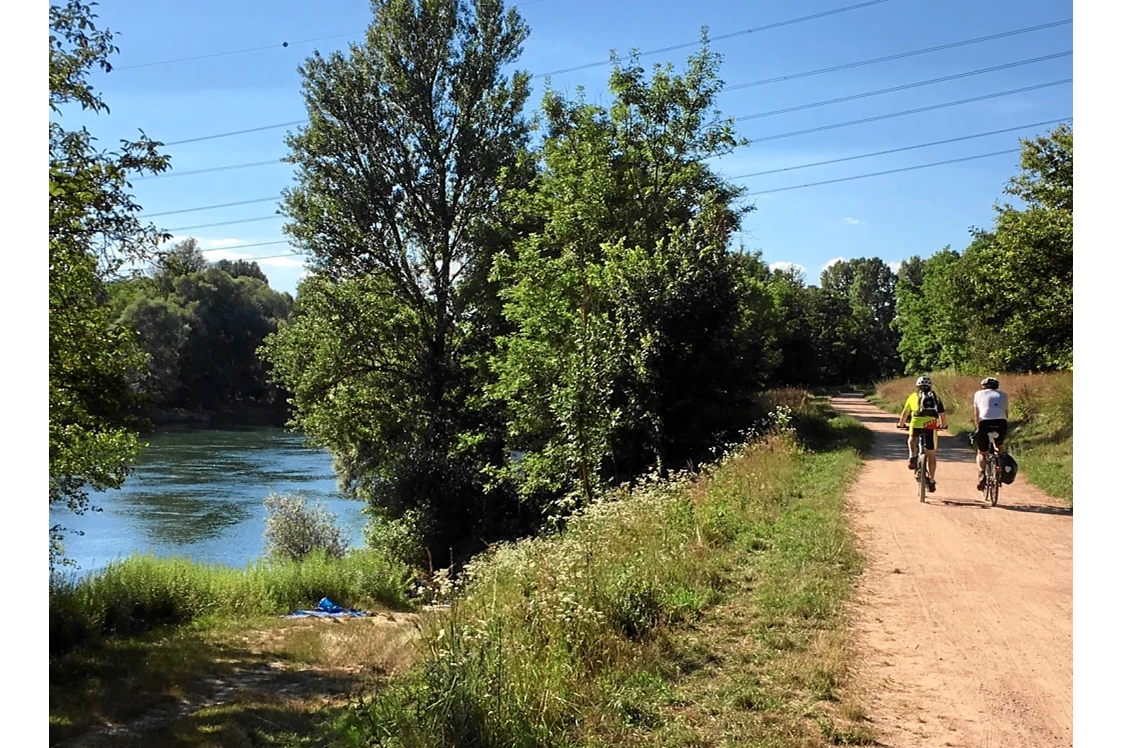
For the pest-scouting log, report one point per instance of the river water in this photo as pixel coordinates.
(200, 493)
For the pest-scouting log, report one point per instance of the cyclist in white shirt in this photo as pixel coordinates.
(991, 408)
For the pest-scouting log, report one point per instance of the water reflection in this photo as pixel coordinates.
(200, 493)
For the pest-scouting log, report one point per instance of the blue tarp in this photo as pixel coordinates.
(327, 609)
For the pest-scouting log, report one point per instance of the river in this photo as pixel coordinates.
(200, 493)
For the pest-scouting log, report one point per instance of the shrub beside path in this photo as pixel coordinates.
(963, 617)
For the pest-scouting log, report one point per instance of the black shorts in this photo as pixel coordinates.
(982, 441)
(927, 437)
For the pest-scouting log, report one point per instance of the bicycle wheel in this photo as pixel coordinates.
(922, 473)
(995, 480)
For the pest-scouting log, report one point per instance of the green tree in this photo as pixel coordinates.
(934, 315)
(230, 318)
(1005, 304)
(164, 326)
(948, 309)
(870, 287)
(1024, 268)
(798, 357)
(201, 325)
(182, 258)
(631, 346)
(917, 345)
(94, 232)
(397, 179)
(835, 338)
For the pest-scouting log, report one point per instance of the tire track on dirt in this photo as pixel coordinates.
(963, 618)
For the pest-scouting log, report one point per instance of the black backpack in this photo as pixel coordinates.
(929, 404)
(1007, 468)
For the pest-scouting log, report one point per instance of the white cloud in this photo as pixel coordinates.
(226, 254)
(835, 261)
(282, 262)
(851, 221)
(894, 266)
(786, 266)
(220, 243)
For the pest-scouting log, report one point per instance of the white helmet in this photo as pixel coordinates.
(923, 383)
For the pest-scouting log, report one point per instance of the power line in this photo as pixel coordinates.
(759, 192)
(852, 121)
(225, 223)
(740, 176)
(906, 86)
(210, 207)
(720, 37)
(579, 67)
(208, 171)
(282, 45)
(910, 111)
(889, 171)
(795, 133)
(905, 148)
(238, 132)
(898, 56)
(739, 86)
(273, 257)
(246, 246)
(235, 51)
(738, 119)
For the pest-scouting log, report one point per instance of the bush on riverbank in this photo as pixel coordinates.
(295, 529)
(141, 593)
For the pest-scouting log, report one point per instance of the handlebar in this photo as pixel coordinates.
(938, 428)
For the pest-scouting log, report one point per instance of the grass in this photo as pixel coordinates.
(1040, 420)
(687, 612)
(147, 633)
(143, 593)
(284, 679)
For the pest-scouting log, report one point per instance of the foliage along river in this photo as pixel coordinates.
(200, 493)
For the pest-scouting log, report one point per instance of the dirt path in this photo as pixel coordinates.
(964, 613)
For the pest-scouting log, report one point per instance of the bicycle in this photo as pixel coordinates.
(991, 470)
(921, 471)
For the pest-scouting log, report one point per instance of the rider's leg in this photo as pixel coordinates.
(912, 449)
(930, 438)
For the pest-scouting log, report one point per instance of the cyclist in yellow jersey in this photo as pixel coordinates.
(925, 413)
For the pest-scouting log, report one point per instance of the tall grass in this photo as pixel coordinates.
(1040, 419)
(551, 641)
(140, 593)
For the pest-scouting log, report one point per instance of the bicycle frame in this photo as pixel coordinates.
(991, 467)
(921, 471)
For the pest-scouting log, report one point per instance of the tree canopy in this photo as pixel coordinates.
(1005, 303)
(94, 231)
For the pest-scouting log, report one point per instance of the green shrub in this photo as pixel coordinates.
(295, 529)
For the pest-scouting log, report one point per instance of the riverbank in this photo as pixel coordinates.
(152, 633)
(683, 611)
(247, 416)
(1041, 420)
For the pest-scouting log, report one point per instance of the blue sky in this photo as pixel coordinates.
(892, 216)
